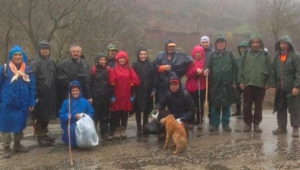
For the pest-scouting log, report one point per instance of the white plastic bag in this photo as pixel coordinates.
(85, 132)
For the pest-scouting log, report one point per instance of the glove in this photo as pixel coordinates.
(131, 98)
(113, 99)
(155, 114)
(179, 121)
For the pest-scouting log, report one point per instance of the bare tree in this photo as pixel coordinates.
(277, 15)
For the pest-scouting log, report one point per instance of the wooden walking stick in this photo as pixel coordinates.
(69, 130)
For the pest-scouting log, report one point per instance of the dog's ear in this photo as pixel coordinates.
(163, 120)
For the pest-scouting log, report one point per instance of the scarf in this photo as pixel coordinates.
(20, 72)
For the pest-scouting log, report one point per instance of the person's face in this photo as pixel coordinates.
(174, 86)
(171, 49)
(75, 52)
(205, 44)
(143, 55)
(221, 45)
(17, 58)
(284, 46)
(102, 61)
(122, 61)
(75, 92)
(255, 44)
(242, 49)
(198, 55)
(112, 53)
(45, 52)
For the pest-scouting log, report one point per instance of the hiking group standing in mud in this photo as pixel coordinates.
(112, 89)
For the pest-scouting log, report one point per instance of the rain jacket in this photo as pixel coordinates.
(180, 103)
(191, 74)
(111, 61)
(222, 73)
(70, 70)
(255, 68)
(77, 106)
(238, 58)
(144, 69)
(45, 70)
(290, 72)
(123, 78)
(179, 64)
(100, 86)
(208, 51)
(16, 97)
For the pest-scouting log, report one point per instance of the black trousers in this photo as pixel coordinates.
(238, 93)
(138, 116)
(120, 118)
(41, 128)
(101, 117)
(195, 95)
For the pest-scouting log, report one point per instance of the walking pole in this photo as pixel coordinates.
(199, 101)
(206, 95)
(69, 134)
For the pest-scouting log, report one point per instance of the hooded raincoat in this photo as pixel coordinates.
(123, 78)
(77, 106)
(16, 97)
(289, 73)
(45, 71)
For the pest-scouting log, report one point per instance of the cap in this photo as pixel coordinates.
(204, 39)
(171, 44)
(174, 81)
(75, 86)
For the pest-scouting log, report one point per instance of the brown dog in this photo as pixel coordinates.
(176, 131)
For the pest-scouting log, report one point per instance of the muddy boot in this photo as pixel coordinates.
(247, 128)
(241, 116)
(19, 148)
(6, 152)
(139, 132)
(257, 128)
(295, 132)
(117, 134)
(44, 142)
(52, 140)
(123, 132)
(213, 128)
(280, 130)
(226, 128)
(237, 113)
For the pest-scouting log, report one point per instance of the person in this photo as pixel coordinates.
(238, 91)
(46, 109)
(169, 63)
(254, 77)
(205, 44)
(74, 68)
(122, 78)
(112, 52)
(195, 81)
(178, 102)
(145, 92)
(285, 81)
(73, 108)
(17, 98)
(220, 67)
(101, 92)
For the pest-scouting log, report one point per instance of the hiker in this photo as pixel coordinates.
(285, 82)
(17, 98)
(254, 78)
(73, 108)
(122, 78)
(46, 109)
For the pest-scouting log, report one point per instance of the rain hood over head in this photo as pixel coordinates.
(100, 55)
(287, 39)
(73, 85)
(256, 35)
(17, 48)
(122, 54)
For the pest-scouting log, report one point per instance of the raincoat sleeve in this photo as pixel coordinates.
(162, 103)
(191, 71)
(234, 69)
(90, 110)
(297, 67)
(208, 62)
(269, 65)
(31, 89)
(241, 67)
(64, 112)
(63, 79)
(190, 108)
(273, 73)
(112, 77)
(134, 80)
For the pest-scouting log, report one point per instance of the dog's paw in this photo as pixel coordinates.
(175, 152)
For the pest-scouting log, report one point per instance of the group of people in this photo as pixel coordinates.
(112, 89)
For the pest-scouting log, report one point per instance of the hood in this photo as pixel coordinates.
(77, 84)
(219, 38)
(112, 46)
(43, 44)
(287, 39)
(196, 49)
(168, 41)
(138, 53)
(100, 55)
(256, 35)
(120, 55)
(17, 48)
(242, 44)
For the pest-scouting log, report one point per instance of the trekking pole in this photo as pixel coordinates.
(69, 134)
(199, 102)
(206, 94)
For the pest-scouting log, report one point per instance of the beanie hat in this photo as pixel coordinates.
(204, 39)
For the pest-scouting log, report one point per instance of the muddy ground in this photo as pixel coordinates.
(224, 151)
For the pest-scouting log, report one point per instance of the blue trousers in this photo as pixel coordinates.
(216, 115)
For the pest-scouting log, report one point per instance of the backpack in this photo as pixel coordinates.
(4, 73)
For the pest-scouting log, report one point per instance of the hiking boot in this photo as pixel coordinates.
(6, 152)
(247, 128)
(241, 116)
(227, 128)
(123, 132)
(237, 113)
(213, 128)
(19, 148)
(50, 139)
(257, 128)
(117, 134)
(139, 133)
(44, 142)
(295, 132)
(280, 130)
